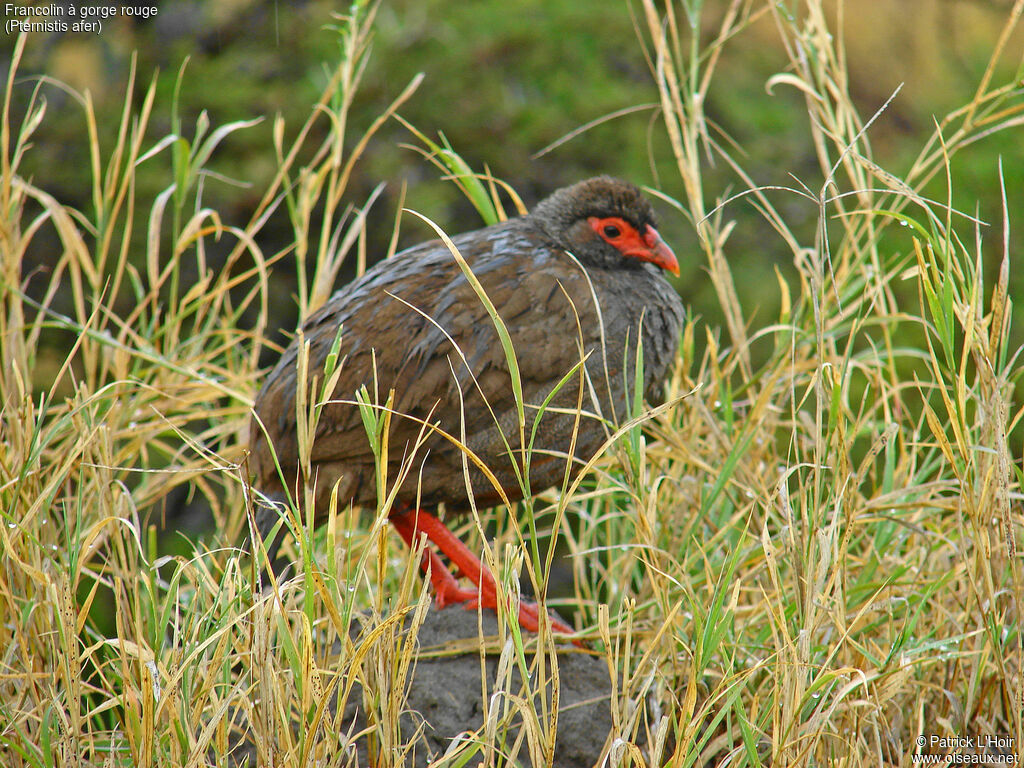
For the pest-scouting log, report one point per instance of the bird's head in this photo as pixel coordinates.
(605, 222)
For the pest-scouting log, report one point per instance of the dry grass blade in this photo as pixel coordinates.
(810, 559)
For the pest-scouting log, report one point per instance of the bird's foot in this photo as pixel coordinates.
(529, 619)
(446, 584)
(448, 592)
(411, 522)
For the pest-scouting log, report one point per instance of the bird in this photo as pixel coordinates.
(577, 284)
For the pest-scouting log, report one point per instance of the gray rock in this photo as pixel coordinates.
(445, 697)
(445, 694)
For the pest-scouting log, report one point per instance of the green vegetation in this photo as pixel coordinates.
(810, 558)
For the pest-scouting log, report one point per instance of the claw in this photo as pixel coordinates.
(446, 588)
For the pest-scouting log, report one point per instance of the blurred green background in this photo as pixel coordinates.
(503, 80)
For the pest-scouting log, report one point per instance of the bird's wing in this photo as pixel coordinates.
(420, 328)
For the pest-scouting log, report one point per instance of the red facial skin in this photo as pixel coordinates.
(624, 236)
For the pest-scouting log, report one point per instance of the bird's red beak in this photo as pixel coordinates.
(649, 246)
(655, 251)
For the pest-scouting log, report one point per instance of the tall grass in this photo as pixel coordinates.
(809, 560)
(850, 574)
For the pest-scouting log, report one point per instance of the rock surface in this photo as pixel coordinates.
(445, 698)
(445, 695)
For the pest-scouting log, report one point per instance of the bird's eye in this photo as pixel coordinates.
(611, 231)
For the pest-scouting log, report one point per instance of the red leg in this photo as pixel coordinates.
(409, 523)
(446, 586)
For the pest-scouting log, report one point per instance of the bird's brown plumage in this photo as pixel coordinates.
(563, 293)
